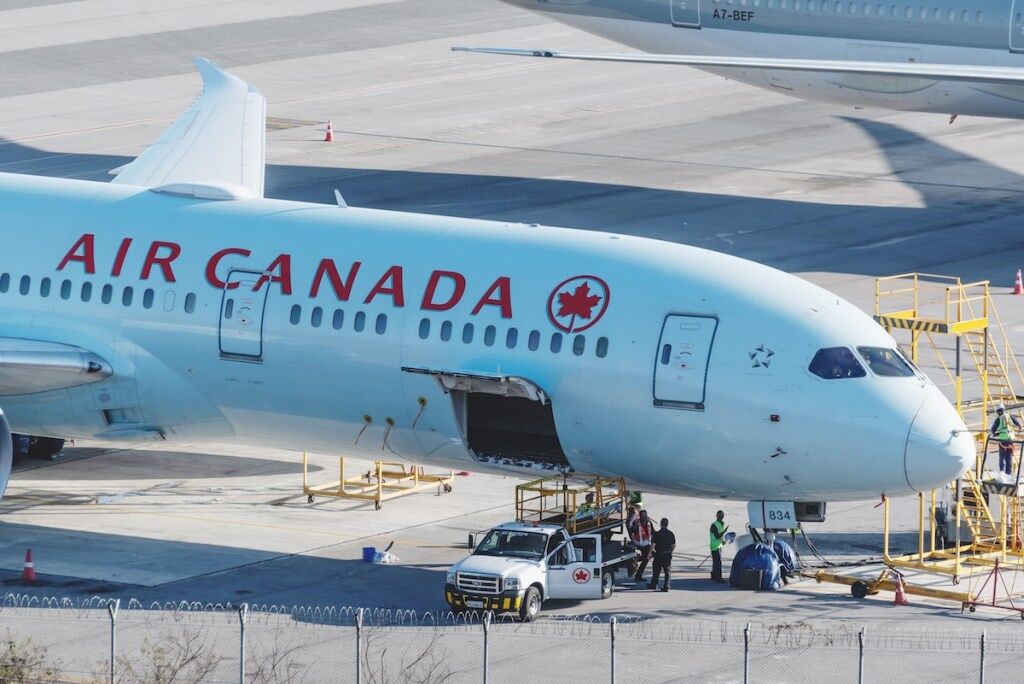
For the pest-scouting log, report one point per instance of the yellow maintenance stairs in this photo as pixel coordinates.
(952, 327)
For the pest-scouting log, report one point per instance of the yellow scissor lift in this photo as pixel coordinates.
(982, 372)
(384, 482)
(554, 500)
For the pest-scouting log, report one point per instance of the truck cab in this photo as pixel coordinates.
(518, 566)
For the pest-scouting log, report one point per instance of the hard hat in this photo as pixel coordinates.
(1000, 407)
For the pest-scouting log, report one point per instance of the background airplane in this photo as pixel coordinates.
(177, 303)
(948, 57)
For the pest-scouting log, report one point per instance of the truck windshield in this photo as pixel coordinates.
(512, 543)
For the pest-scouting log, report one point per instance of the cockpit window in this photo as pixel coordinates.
(834, 363)
(886, 363)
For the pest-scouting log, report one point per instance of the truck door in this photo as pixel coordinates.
(685, 13)
(681, 368)
(573, 573)
(241, 316)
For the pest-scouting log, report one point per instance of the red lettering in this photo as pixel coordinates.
(397, 292)
(122, 252)
(283, 265)
(164, 262)
(211, 267)
(342, 290)
(503, 300)
(87, 244)
(458, 289)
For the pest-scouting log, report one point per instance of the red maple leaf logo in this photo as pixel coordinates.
(580, 303)
(581, 576)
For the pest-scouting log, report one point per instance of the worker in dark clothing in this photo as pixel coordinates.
(716, 538)
(1003, 429)
(640, 534)
(663, 544)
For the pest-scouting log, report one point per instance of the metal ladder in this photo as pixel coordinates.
(985, 530)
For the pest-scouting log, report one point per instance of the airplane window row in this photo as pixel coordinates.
(106, 293)
(865, 8)
(316, 319)
(511, 338)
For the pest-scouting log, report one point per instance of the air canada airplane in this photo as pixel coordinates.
(945, 56)
(177, 303)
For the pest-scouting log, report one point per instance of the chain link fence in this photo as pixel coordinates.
(60, 640)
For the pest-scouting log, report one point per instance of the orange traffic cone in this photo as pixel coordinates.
(330, 133)
(29, 573)
(463, 473)
(1018, 285)
(901, 595)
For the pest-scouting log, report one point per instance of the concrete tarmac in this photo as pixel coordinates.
(835, 195)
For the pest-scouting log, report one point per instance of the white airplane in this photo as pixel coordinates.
(177, 303)
(949, 56)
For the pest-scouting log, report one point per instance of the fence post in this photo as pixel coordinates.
(612, 624)
(487, 629)
(746, 654)
(112, 607)
(359, 634)
(243, 614)
(981, 674)
(860, 656)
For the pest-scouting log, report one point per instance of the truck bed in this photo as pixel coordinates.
(615, 552)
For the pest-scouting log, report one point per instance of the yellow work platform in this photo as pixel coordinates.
(553, 500)
(384, 482)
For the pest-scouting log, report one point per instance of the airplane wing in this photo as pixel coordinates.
(942, 72)
(30, 366)
(219, 139)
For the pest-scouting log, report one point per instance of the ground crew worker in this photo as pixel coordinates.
(641, 533)
(588, 507)
(1003, 430)
(663, 543)
(716, 538)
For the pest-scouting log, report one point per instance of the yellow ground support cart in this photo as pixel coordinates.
(554, 500)
(384, 482)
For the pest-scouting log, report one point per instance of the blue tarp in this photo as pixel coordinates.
(786, 556)
(757, 557)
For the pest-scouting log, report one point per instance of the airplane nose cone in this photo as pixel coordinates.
(939, 447)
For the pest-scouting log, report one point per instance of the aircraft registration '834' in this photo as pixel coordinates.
(177, 303)
(946, 56)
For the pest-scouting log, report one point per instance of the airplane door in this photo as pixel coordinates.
(1017, 26)
(241, 317)
(681, 368)
(685, 13)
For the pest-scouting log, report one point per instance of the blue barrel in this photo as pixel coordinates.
(368, 553)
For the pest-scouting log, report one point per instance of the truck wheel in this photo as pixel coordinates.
(859, 590)
(607, 584)
(529, 609)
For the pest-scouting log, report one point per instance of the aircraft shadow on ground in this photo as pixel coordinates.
(971, 226)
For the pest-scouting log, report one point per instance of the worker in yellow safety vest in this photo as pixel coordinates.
(716, 536)
(1003, 430)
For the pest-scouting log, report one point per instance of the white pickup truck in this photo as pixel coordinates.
(517, 566)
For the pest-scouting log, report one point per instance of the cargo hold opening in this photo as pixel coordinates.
(504, 419)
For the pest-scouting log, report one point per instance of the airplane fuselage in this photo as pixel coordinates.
(312, 327)
(989, 33)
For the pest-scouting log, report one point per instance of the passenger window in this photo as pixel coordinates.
(579, 344)
(382, 324)
(560, 556)
(446, 331)
(836, 363)
(886, 363)
(44, 287)
(5, 282)
(65, 289)
(107, 294)
(534, 341)
(169, 300)
(511, 338)
(339, 319)
(229, 309)
(86, 291)
(467, 333)
(147, 298)
(424, 328)
(190, 303)
(360, 322)
(25, 285)
(602, 347)
(296, 314)
(126, 296)
(556, 343)
(666, 354)
(316, 317)
(489, 334)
